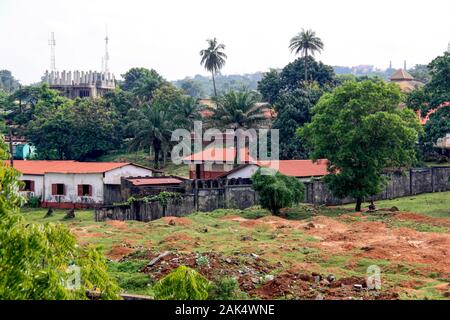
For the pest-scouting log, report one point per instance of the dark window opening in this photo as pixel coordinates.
(84, 190)
(29, 185)
(84, 93)
(58, 189)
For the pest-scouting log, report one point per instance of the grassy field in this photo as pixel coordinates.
(431, 204)
(410, 249)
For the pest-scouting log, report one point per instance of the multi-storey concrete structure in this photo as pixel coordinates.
(80, 84)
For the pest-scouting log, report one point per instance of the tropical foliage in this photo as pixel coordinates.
(361, 130)
(213, 59)
(277, 191)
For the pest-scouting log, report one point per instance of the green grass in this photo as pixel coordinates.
(432, 204)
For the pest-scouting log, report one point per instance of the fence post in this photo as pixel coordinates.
(410, 182)
(432, 179)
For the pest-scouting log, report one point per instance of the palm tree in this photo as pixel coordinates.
(236, 110)
(306, 42)
(213, 59)
(186, 111)
(151, 128)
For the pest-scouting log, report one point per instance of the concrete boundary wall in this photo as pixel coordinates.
(209, 195)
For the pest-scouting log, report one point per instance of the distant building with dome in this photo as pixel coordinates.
(405, 80)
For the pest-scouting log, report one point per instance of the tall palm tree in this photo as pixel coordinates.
(238, 110)
(151, 128)
(213, 59)
(306, 42)
(186, 111)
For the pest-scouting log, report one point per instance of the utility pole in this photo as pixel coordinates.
(11, 159)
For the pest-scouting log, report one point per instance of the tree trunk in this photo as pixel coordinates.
(358, 204)
(156, 150)
(214, 84)
(306, 65)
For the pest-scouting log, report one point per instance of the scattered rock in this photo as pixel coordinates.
(269, 277)
(393, 209)
(158, 258)
(310, 225)
(204, 230)
(172, 222)
(246, 238)
(331, 277)
(228, 260)
(357, 287)
(254, 255)
(70, 214)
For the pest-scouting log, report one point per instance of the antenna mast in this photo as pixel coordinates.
(52, 44)
(106, 57)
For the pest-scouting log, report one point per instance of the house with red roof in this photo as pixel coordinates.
(73, 184)
(213, 163)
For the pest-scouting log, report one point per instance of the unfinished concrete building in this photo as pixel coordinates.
(80, 84)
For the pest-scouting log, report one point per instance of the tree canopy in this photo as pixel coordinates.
(361, 130)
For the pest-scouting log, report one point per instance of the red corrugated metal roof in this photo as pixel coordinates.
(299, 168)
(154, 181)
(40, 167)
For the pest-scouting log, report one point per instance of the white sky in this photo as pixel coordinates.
(167, 35)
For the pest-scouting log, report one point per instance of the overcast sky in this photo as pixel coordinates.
(167, 35)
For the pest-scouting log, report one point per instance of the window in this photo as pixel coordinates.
(84, 93)
(29, 185)
(58, 189)
(84, 190)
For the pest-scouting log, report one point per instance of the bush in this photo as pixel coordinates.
(226, 289)
(183, 283)
(33, 202)
(277, 191)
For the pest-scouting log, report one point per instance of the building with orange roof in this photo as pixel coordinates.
(69, 184)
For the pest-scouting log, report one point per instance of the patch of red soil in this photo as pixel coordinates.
(118, 252)
(295, 285)
(122, 225)
(409, 216)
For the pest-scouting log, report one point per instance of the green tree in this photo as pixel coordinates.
(213, 59)
(360, 129)
(277, 191)
(183, 283)
(421, 73)
(34, 258)
(79, 130)
(236, 110)
(7, 81)
(185, 112)
(293, 111)
(142, 82)
(306, 42)
(192, 88)
(151, 129)
(438, 126)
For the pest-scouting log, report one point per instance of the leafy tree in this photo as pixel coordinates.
(192, 88)
(421, 73)
(277, 191)
(438, 126)
(183, 283)
(236, 110)
(360, 129)
(291, 77)
(186, 110)
(166, 96)
(306, 42)
(151, 129)
(34, 258)
(142, 82)
(213, 59)
(293, 111)
(79, 130)
(7, 81)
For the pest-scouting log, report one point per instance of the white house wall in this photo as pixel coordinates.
(38, 184)
(71, 182)
(113, 176)
(245, 172)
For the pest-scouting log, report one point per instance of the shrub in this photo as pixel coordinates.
(277, 191)
(183, 283)
(226, 289)
(33, 202)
